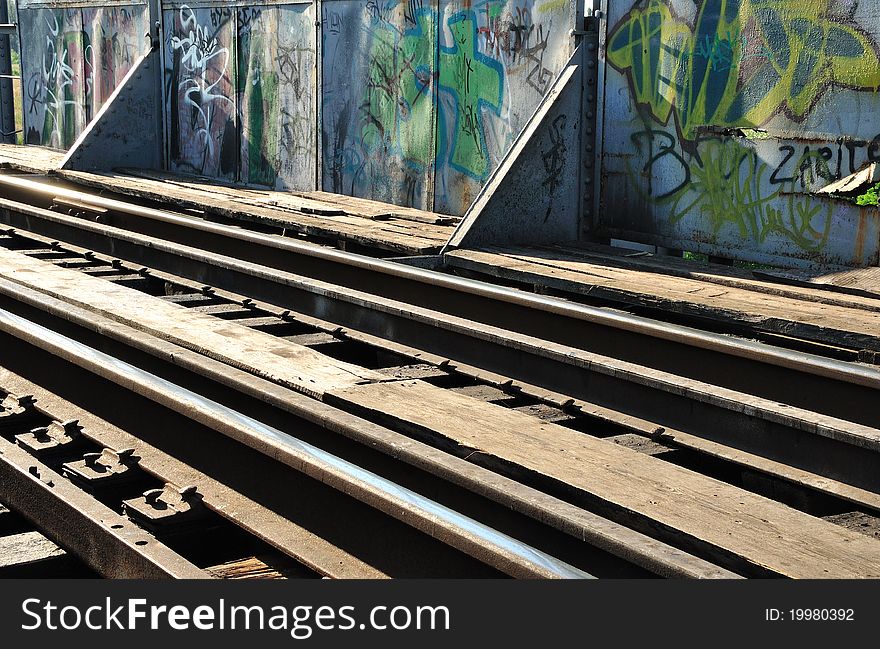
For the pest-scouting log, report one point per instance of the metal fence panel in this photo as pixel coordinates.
(722, 117)
(275, 86)
(199, 64)
(53, 72)
(114, 38)
(71, 59)
(378, 99)
(496, 62)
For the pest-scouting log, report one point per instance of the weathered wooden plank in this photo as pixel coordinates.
(318, 203)
(289, 205)
(286, 363)
(372, 209)
(399, 235)
(30, 159)
(855, 281)
(858, 522)
(836, 325)
(293, 201)
(738, 523)
(26, 548)
(248, 568)
(772, 282)
(778, 470)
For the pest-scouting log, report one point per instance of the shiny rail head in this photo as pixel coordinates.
(802, 361)
(495, 542)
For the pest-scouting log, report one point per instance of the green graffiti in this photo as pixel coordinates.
(742, 62)
(258, 85)
(475, 81)
(729, 185)
(398, 106)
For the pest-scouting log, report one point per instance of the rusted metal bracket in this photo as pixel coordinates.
(51, 439)
(108, 467)
(16, 411)
(166, 509)
(101, 538)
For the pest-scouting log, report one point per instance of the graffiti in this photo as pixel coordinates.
(476, 82)
(52, 90)
(411, 11)
(554, 160)
(112, 44)
(397, 104)
(334, 20)
(241, 93)
(296, 133)
(730, 115)
(727, 184)
(721, 53)
(289, 62)
(420, 100)
(247, 17)
(515, 39)
(219, 16)
(257, 88)
(72, 60)
(200, 97)
(742, 62)
(539, 76)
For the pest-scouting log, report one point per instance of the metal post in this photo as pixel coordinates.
(7, 96)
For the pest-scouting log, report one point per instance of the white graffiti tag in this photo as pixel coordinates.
(57, 81)
(203, 65)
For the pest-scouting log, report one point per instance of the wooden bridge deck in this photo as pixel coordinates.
(736, 298)
(30, 159)
(330, 217)
(768, 534)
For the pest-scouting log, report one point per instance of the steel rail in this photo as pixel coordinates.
(587, 527)
(104, 540)
(805, 440)
(367, 273)
(471, 536)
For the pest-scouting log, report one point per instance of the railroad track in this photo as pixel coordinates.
(25, 553)
(414, 337)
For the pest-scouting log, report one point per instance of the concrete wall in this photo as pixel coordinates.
(411, 102)
(72, 58)
(721, 117)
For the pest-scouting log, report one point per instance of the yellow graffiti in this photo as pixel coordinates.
(742, 62)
